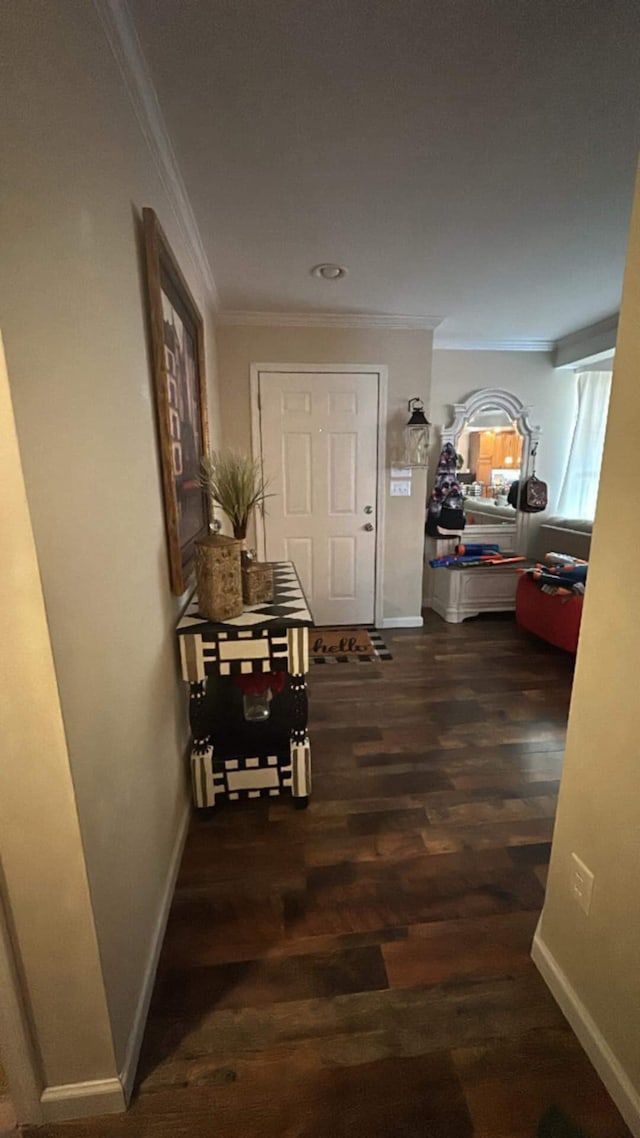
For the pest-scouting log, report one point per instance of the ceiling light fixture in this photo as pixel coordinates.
(329, 272)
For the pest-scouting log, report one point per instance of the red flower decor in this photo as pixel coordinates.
(257, 683)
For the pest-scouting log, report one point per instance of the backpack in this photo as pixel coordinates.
(445, 512)
(512, 496)
(534, 494)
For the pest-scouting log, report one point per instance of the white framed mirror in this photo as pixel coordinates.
(494, 438)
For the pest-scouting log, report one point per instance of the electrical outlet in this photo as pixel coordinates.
(581, 883)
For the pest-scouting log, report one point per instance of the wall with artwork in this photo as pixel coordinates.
(75, 322)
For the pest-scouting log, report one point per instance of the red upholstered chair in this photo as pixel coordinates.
(555, 619)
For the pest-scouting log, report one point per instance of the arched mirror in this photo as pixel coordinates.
(494, 439)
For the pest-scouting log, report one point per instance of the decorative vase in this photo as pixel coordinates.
(218, 577)
(257, 582)
(240, 535)
(256, 707)
(257, 690)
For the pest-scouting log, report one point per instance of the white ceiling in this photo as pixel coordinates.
(466, 159)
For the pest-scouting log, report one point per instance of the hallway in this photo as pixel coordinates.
(363, 968)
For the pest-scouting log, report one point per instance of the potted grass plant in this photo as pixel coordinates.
(235, 484)
(226, 576)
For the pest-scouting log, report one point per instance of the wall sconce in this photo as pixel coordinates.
(416, 435)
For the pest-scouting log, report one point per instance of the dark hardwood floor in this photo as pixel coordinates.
(363, 968)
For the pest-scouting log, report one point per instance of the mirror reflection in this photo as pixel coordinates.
(489, 461)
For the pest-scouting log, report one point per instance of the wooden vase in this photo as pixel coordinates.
(257, 583)
(218, 577)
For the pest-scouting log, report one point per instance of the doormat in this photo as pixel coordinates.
(347, 646)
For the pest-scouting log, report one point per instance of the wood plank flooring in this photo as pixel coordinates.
(363, 968)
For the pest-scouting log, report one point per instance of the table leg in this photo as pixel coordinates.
(202, 784)
(299, 744)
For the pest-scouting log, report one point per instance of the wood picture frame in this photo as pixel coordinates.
(179, 380)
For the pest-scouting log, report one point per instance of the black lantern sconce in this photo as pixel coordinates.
(416, 435)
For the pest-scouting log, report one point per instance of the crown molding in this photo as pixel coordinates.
(328, 320)
(123, 40)
(588, 345)
(455, 344)
(600, 328)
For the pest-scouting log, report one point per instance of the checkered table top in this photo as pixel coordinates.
(289, 609)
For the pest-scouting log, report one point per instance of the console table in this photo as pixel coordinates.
(231, 757)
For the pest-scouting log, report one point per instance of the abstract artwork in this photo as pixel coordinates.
(179, 380)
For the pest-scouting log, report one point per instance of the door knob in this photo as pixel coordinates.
(368, 509)
(368, 526)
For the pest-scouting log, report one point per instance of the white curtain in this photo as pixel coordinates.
(580, 484)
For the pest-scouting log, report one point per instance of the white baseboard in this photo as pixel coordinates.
(617, 1082)
(402, 622)
(128, 1072)
(82, 1100)
(111, 1096)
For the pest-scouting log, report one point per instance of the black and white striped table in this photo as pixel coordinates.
(230, 758)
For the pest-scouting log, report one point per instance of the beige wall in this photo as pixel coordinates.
(73, 316)
(407, 355)
(599, 806)
(43, 870)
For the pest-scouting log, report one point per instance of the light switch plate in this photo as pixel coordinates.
(401, 472)
(400, 488)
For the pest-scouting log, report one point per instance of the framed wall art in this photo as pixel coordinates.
(177, 342)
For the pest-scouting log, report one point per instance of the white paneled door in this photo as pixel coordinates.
(319, 440)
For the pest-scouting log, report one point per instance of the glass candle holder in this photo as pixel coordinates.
(256, 707)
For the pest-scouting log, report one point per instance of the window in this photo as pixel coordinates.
(580, 484)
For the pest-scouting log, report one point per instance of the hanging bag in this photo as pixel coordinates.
(445, 511)
(512, 496)
(534, 495)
